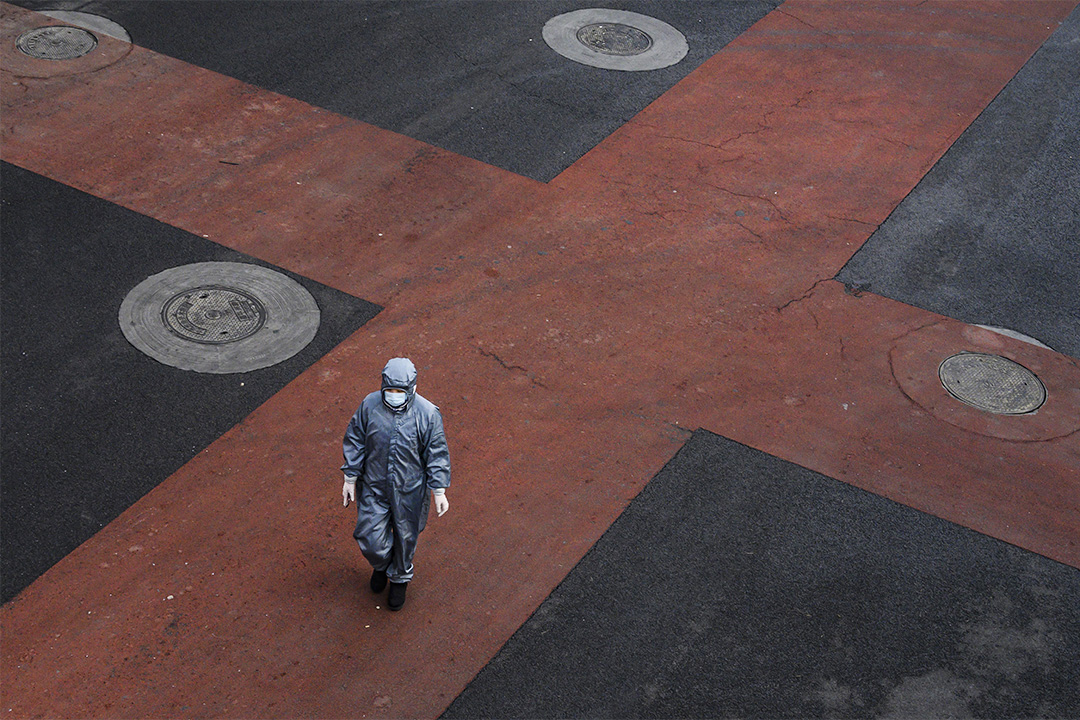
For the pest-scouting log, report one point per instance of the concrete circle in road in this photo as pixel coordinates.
(1017, 335)
(61, 43)
(615, 39)
(88, 21)
(219, 317)
(987, 383)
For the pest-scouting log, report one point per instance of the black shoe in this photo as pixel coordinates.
(397, 595)
(378, 581)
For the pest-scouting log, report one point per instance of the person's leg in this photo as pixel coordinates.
(400, 570)
(375, 534)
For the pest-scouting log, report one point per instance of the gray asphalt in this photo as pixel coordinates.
(991, 235)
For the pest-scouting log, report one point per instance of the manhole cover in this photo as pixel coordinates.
(56, 42)
(83, 43)
(614, 39)
(219, 317)
(214, 315)
(992, 383)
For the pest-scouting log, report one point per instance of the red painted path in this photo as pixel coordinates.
(572, 333)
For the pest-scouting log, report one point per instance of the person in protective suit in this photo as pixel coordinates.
(396, 446)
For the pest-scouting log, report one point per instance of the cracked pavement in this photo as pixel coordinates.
(631, 284)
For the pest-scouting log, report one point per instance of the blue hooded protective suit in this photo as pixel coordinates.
(399, 456)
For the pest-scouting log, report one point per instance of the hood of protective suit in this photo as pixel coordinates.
(399, 373)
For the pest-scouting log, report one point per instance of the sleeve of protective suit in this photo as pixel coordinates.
(353, 445)
(436, 455)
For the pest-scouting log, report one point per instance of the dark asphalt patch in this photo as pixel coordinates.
(475, 78)
(991, 235)
(90, 423)
(740, 585)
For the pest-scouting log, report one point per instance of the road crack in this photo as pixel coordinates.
(508, 366)
(809, 291)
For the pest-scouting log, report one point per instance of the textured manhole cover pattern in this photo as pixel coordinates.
(219, 317)
(614, 39)
(56, 42)
(214, 315)
(992, 383)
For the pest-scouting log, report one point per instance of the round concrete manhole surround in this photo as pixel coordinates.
(219, 317)
(987, 382)
(615, 39)
(992, 383)
(56, 42)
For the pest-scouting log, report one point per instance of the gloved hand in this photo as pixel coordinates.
(348, 491)
(441, 504)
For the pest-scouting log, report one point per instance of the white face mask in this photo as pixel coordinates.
(395, 399)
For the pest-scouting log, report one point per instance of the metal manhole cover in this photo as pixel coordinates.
(219, 317)
(214, 315)
(56, 42)
(992, 383)
(614, 39)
